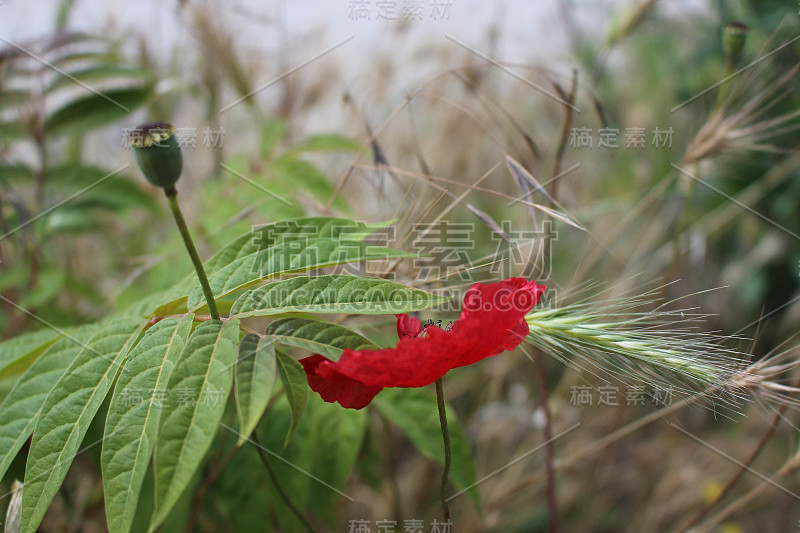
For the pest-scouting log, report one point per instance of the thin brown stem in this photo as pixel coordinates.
(735, 479)
(276, 481)
(447, 452)
(391, 468)
(552, 497)
(218, 466)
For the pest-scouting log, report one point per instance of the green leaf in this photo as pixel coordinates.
(133, 416)
(324, 338)
(296, 386)
(340, 433)
(80, 116)
(96, 73)
(19, 411)
(67, 413)
(11, 131)
(17, 175)
(69, 219)
(415, 411)
(99, 186)
(25, 346)
(288, 247)
(305, 175)
(14, 98)
(282, 231)
(255, 377)
(271, 134)
(333, 294)
(290, 462)
(201, 379)
(328, 142)
(62, 13)
(49, 285)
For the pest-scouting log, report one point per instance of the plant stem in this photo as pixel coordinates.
(552, 497)
(172, 198)
(447, 453)
(276, 481)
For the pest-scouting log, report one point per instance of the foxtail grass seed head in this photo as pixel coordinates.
(733, 40)
(157, 153)
(662, 348)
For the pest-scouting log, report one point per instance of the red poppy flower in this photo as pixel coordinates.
(492, 320)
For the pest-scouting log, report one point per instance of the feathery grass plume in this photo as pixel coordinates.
(744, 117)
(764, 378)
(744, 127)
(663, 347)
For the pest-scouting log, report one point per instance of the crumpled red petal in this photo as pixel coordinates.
(492, 321)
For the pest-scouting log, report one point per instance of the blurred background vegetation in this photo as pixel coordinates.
(82, 234)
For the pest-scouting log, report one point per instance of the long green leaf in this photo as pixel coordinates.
(95, 73)
(415, 412)
(284, 231)
(201, 381)
(295, 385)
(324, 338)
(272, 132)
(304, 174)
(133, 415)
(96, 110)
(99, 186)
(289, 258)
(333, 294)
(327, 142)
(245, 253)
(243, 258)
(25, 346)
(19, 411)
(67, 413)
(298, 457)
(255, 377)
(340, 433)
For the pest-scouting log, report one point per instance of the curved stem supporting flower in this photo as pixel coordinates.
(447, 453)
(172, 198)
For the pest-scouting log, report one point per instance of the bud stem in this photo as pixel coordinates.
(172, 198)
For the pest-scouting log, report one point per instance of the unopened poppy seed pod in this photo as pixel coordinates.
(733, 39)
(157, 153)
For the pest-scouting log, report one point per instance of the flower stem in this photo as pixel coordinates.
(172, 198)
(447, 453)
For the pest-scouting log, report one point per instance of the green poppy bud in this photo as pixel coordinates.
(733, 39)
(157, 153)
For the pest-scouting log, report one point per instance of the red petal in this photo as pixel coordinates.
(408, 326)
(492, 320)
(348, 392)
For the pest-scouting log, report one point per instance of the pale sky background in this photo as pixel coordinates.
(529, 32)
